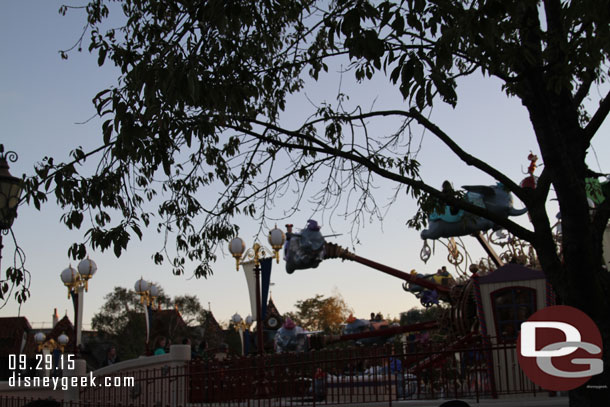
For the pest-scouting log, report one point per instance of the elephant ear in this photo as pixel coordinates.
(484, 190)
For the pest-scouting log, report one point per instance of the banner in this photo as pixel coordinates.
(148, 317)
(248, 267)
(251, 280)
(265, 282)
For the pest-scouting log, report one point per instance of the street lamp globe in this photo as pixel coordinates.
(63, 339)
(141, 286)
(70, 278)
(276, 240)
(237, 247)
(249, 320)
(236, 318)
(87, 268)
(39, 338)
(10, 190)
(153, 289)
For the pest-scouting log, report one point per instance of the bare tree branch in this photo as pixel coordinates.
(366, 162)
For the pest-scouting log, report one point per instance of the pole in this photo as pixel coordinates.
(241, 339)
(1, 247)
(335, 251)
(488, 249)
(81, 308)
(259, 314)
(75, 301)
(146, 319)
(261, 390)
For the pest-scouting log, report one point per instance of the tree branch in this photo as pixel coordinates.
(469, 159)
(366, 162)
(583, 91)
(600, 219)
(598, 118)
(464, 156)
(543, 185)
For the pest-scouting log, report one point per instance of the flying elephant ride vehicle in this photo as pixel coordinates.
(308, 248)
(485, 307)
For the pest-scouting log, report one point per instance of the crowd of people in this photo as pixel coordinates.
(161, 346)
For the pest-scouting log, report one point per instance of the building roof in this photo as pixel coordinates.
(63, 326)
(511, 272)
(12, 334)
(168, 323)
(273, 312)
(14, 328)
(212, 331)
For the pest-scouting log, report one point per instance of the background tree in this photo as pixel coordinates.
(190, 309)
(321, 314)
(204, 84)
(419, 315)
(121, 321)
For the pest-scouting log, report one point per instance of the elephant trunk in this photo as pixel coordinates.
(516, 212)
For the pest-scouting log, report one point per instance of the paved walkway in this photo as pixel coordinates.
(542, 401)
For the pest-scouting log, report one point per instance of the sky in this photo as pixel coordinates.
(46, 110)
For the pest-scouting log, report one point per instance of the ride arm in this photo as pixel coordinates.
(334, 251)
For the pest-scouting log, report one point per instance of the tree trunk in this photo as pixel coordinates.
(577, 277)
(587, 291)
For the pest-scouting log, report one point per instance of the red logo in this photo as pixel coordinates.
(560, 348)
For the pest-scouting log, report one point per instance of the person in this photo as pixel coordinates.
(159, 348)
(167, 345)
(187, 341)
(202, 350)
(111, 357)
(395, 368)
(222, 353)
(447, 190)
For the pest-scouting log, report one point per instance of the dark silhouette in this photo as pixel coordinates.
(111, 357)
(159, 347)
(455, 403)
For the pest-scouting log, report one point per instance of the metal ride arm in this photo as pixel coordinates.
(395, 330)
(488, 249)
(333, 251)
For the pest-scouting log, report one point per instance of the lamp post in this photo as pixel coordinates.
(77, 281)
(237, 248)
(10, 193)
(47, 347)
(148, 293)
(240, 326)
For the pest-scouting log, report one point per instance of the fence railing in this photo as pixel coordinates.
(466, 368)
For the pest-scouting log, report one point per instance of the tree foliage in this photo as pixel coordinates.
(419, 315)
(190, 309)
(203, 85)
(321, 314)
(121, 319)
(199, 107)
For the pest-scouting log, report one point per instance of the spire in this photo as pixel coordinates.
(55, 318)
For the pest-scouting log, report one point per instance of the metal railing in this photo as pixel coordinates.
(466, 368)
